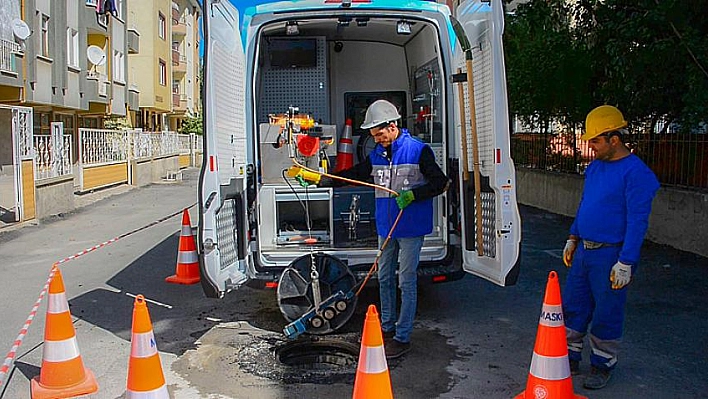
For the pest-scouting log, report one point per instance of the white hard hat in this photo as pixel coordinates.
(380, 112)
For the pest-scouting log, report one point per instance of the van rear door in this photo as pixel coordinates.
(492, 251)
(222, 237)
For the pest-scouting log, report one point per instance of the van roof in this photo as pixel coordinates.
(254, 7)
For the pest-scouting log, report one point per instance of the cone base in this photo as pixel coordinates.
(85, 387)
(522, 395)
(175, 279)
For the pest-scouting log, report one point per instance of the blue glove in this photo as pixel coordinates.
(405, 198)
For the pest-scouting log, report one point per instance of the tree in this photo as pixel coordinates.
(192, 124)
(547, 66)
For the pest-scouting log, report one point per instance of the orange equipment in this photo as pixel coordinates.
(372, 377)
(187, 257)
(63, 374)
(549, 376)
(145, 378)
(345, 151)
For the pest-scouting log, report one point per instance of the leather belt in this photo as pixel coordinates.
(590, 245)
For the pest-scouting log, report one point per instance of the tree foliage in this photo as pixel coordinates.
(648, 57)
(192, 124)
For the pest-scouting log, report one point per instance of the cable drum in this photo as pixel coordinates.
(295, 296)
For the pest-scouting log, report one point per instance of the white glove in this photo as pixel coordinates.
(569, 251)
(620, 275)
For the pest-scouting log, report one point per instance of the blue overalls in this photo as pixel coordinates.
(613, 212)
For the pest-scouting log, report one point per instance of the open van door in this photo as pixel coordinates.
(491, 225)
(222, 237)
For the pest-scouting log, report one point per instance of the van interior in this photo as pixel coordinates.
(331, 69)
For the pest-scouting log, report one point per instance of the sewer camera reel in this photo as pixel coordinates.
(315, 292)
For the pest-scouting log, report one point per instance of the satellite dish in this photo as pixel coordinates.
(20, 29)
(96, 55)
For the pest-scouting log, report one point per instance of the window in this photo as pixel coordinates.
(175, 87)
(161, 26)
(72, 47)
(44, 36)
(118, 66)
(163, 73)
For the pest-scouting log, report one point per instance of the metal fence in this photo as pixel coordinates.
(679, 160)
(52, 156)
(101, 146)
(154, 144)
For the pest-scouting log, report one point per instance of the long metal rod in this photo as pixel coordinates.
(463, 130)
(475, 157)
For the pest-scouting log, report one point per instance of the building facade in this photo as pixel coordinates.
(185, 62)
(72, 66)
(165, 70)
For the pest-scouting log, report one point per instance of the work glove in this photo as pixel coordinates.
(569, 251)
(304, 177)
(405, 198)
(620, 275)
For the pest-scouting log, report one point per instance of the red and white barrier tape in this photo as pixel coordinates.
(18, 341)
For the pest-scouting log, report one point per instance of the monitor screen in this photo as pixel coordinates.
(293, 53)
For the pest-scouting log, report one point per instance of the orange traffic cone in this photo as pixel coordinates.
(372, 377)
(187, 259)
(549, 376)
(145, 378)
(63, 374)
(345, 152)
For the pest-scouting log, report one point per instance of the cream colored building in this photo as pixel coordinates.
(150, 70)
(185, 61)
(163, 74)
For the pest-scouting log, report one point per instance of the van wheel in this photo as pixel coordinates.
(295, 296)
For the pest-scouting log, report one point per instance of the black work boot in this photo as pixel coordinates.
(395, 349)
(598, 378)
(574, 367)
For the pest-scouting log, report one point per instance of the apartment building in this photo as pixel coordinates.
(149, 69)
(185, 62)
(71, 67)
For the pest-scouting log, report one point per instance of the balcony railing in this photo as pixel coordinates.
(8, 50)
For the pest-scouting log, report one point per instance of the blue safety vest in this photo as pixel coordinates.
(401, 172)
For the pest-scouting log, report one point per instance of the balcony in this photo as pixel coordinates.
(133, 41)
(10, 63)
(95, 23)
(179, 63)
(178, 29)
(97, 88)
(179, 103)
(133, 98)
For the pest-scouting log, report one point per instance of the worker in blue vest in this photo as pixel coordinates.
(406, 165)
(603, 248)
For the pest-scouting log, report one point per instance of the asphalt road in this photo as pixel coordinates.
(472, 339)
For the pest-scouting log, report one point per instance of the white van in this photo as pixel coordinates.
(278, 71)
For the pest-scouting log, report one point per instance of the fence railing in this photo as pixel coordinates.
(7, 55)
(679, 160)
(100, 146)
(154, 144)
(52, 156)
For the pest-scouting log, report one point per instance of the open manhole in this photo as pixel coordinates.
(319, 355)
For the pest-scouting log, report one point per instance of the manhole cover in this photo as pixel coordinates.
(319, 355)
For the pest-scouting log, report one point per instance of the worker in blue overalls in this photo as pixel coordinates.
(605, 239)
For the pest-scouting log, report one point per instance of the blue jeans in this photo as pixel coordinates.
(404, 253)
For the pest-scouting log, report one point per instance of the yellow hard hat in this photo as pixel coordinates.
(603, 119)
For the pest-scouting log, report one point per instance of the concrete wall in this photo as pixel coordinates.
(679, 218)
(54, 196)
(153, 170)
